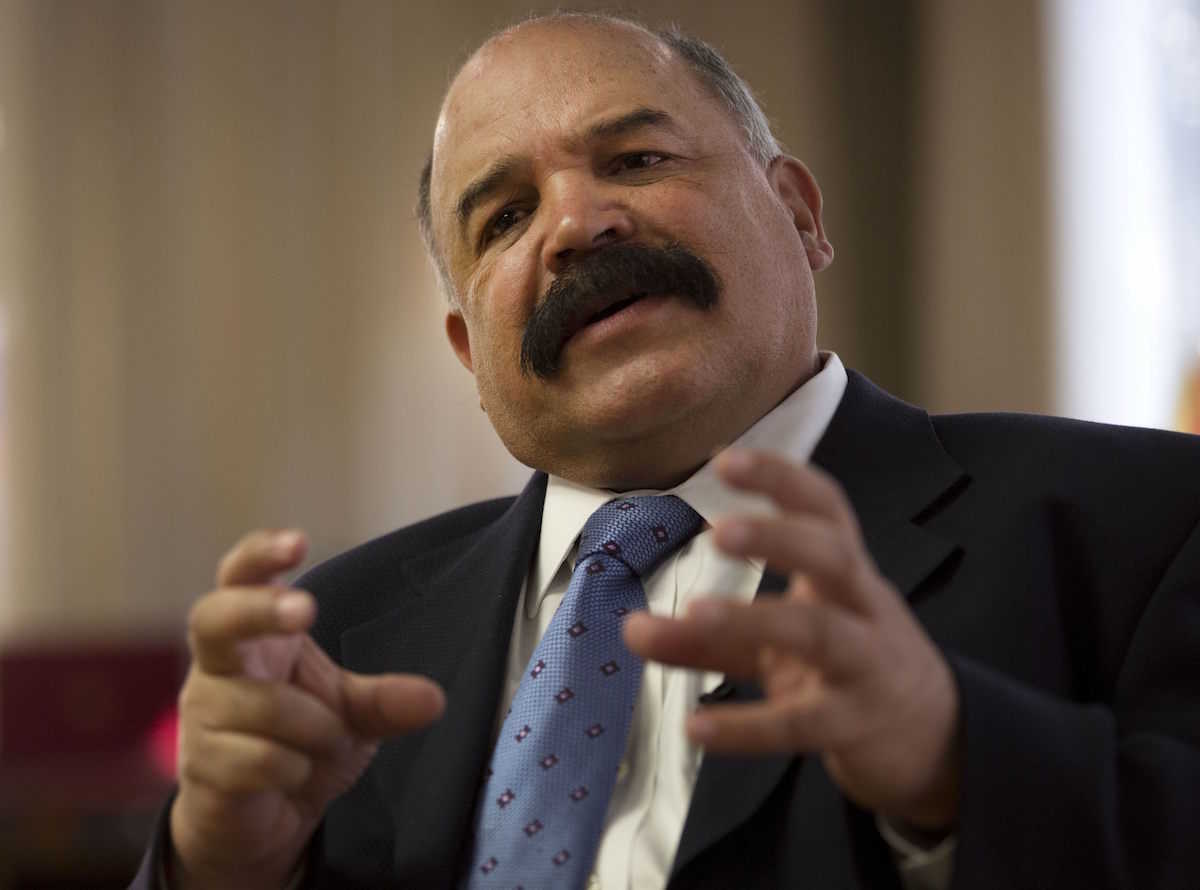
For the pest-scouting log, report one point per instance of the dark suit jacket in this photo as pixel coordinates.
(1057, 565)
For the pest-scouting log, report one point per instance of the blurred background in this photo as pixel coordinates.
(215, 313)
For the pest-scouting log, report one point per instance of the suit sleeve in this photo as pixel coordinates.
(1101, 795)
(153, 866)
(152, 873)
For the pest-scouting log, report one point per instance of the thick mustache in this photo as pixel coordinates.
(602, 279)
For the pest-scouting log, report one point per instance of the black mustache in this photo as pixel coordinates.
(600, 279)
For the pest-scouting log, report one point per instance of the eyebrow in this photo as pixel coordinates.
(474, 194)
(625, 123)
(609, 128)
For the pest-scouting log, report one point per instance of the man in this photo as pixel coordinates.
(972, 660)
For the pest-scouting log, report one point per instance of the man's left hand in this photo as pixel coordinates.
(846, 669)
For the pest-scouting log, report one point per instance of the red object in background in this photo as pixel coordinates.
(84, 729)
(79, 699)
(162, 742)
(78, 721)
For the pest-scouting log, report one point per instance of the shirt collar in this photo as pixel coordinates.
(792, 428)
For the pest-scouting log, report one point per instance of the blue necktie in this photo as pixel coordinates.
(539, 820)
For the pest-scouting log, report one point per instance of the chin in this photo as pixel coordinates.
(655, 407)
(642, 397)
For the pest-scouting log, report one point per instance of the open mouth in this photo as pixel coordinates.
(613, 309)
(588, 315)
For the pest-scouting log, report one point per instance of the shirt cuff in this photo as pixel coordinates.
(920, 867)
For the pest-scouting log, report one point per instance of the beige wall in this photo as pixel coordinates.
(982, 316)
(219, 316)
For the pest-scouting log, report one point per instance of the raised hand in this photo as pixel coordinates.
(846, 669)
(271, 730)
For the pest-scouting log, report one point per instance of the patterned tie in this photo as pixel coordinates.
(539, 820)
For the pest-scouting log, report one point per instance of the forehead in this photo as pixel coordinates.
(539, 85)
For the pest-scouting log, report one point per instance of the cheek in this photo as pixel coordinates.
(510, 283)
(765, 248)
(733, 224)
(768, 286)
(501, 300)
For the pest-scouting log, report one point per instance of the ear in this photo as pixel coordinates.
(797, 188)
(460, 338)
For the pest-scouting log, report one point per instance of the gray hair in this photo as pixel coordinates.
(705, 62)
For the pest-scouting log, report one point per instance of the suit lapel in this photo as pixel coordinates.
(453, 625)
(886, 455)
(888, 459)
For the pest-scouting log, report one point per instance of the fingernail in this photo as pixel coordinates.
(737, 461)
(733, 534)
(436, 699)
(707, 612)
(636, 617)
(285, 543)
(293, 608)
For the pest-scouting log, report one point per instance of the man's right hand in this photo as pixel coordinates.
(271, 730)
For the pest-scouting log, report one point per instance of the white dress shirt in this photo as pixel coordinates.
(658, 773)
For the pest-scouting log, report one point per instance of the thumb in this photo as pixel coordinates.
(390, 704)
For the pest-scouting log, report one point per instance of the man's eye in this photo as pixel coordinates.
(502, 222)
(640, 160)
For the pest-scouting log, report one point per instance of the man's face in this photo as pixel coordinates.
(557, 142)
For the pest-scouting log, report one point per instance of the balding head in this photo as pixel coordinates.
(701, 59)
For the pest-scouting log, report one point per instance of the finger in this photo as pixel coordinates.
(237, 763)
(833, 559)
(793, 487)
(261, 555)
(274, 711)
(680, 642)
(823, 637)
(761, 727)
(732, 637)
(220, 620)
(373, 706)
(390, 704)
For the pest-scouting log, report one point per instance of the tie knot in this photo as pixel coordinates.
(639, 531)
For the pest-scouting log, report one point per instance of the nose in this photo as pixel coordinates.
(583, 216)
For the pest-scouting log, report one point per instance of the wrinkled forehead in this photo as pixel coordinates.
(544, 81)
